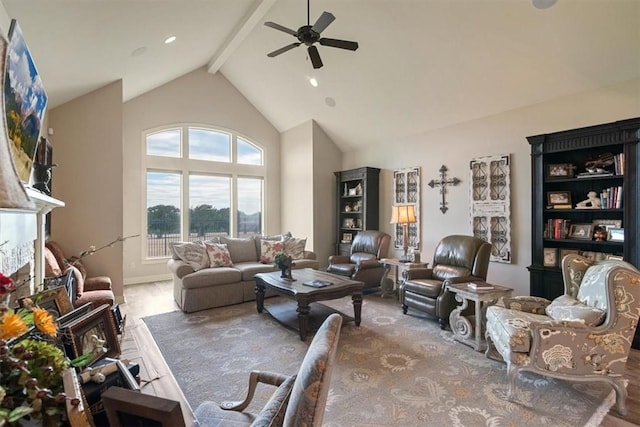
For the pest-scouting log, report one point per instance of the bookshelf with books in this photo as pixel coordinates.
(585, 185)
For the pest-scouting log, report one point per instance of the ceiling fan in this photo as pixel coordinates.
(309, 35)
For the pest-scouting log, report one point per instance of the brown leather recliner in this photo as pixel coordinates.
(456, 259)
(366, 249)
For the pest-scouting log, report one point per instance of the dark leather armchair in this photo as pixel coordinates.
(366, 249)
(456, 259)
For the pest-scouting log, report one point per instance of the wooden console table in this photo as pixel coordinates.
(470, 329)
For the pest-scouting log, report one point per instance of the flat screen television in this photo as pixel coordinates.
(25, 102)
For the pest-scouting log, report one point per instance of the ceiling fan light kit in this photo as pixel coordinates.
(309, 35)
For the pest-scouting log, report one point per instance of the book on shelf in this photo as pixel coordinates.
(318, 283)
(479, 285)
(611, 198)
(562, 206)
(557, 228)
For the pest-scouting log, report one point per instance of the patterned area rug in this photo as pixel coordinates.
(393, 370)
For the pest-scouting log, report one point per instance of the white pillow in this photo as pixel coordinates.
(295, 247)
(268, 250)
(192, 253)
(219, 255)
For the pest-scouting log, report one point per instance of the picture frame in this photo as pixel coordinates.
(555, 198)
(581, 231)
(607, 223)
(616, 257)
(560, 170)
(550, 257)
(615, 235)
(73, 315)
(78, 335)
(25, 84)
(348, 223)
(129, 408)
(346, 237)
(353, 192)
(55, 300)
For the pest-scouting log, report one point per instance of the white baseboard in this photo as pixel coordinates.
(147, 279)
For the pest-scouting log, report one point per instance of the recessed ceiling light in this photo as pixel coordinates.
(313, 81)
(169, 39)
(139, 51)
(330, 101)
(543, 4)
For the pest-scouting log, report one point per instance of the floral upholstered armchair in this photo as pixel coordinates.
(583, 335)
(299, 400)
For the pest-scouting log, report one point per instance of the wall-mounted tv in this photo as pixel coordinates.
(25, 102)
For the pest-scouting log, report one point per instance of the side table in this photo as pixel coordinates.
(388, 285)
(470, 329)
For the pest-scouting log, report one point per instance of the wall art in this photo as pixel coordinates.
(490, 203)
(406, 190)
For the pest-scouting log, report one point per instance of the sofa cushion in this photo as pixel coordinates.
(193, 253)
(566, 307)
(268, 250)
(211, 277)
(241, 250)
(593, 289)
(250, 269)
(294, 247)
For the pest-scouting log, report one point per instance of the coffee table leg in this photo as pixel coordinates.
(259, 297)
(303, 320)
(357, 307)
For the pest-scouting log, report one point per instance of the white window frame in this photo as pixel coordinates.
(185, 166)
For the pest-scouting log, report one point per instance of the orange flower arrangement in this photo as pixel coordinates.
(30, 369)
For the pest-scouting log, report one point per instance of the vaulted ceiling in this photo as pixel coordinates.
(421, 65)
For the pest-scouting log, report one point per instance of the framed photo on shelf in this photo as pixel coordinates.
(581, 231)
(129, 408)
(348, 223)
(93, 332)
(346, 237)
(608, 223)
(616, 235)
(560, 170)
(555, 198)
(54, 299)
(617, 257)
(550, 257)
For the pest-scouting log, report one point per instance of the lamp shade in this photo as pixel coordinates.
(403, 214)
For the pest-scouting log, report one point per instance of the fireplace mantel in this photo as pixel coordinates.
(20, 228)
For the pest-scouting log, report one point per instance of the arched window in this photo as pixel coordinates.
(200, 183)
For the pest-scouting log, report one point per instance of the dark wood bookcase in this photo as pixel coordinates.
(553, 158)
(358, 205)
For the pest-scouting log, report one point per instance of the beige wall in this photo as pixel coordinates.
(195, 98)
(309, 158)
(87, 146)
(505, 133)
(327, 159)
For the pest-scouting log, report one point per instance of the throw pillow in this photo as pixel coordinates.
(241, 249)
(192, 253)
(268, 250)
(218, 255)
(295, 247)
(568, 308)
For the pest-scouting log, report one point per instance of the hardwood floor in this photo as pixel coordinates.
(154, 298)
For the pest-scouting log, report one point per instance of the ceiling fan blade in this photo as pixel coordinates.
(282, 50)
(342, 44)
(315, 57)
(323, 22)
(281, 28)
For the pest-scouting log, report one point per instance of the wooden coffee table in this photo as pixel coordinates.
(305, 295)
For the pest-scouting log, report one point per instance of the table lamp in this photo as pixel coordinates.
(404, 215)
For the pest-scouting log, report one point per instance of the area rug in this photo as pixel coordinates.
(393, 370)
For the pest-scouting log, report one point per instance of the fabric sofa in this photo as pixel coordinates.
(219, 272)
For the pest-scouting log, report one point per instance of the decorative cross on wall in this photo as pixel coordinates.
(442, 182)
